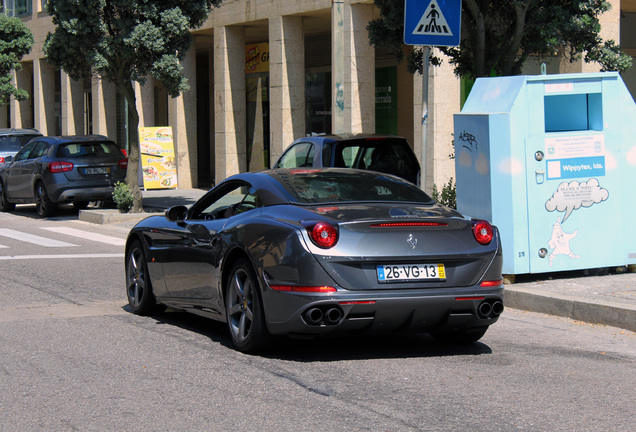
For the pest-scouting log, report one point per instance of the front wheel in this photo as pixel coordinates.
(43, 204)
(5, 205)
(244, 310)
(461, 336)
(138, 286)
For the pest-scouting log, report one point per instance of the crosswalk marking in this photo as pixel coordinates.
(87, 235)
(30, 238)
(64, 256)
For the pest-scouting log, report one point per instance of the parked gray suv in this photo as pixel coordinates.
(54, 170)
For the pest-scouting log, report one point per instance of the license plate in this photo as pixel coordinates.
(410, 272)
(97, 170)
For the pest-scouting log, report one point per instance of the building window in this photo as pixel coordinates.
(18, 8)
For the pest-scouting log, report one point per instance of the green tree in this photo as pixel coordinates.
(124, 41)
(16, 41)
(498, 36)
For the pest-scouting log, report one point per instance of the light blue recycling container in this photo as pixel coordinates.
(551, 160)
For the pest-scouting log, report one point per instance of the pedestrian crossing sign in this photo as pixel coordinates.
(432, 22)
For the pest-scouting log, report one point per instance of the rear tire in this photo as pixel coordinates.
(459, 337)
(138, 286)
(244, 309)
(5, 205)
(43, 204)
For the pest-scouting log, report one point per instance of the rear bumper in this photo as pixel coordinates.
(84, 194)
(383, 312)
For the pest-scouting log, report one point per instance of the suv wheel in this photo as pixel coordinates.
(5, 205)
(44, 206)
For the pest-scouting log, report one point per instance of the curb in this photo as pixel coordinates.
(597, 312)
(106, 216)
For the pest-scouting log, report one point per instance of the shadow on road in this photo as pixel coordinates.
(327, 349)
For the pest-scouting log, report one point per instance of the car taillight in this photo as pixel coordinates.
(324, 235)
(125, 153)
(58, 167)
(482, 231)
(123, 163)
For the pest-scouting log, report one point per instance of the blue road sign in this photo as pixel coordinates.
(432, 22)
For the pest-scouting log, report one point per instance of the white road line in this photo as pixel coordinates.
(30, 238)
(73, 232)
(60, 256)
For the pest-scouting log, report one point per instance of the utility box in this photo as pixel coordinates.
(551, 160)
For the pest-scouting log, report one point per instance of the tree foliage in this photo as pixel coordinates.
(499, 36)
(124, 41)
(16, 41)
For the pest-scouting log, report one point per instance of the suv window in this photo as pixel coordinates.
(299, 155)
(389, 157)
(40, 149)
(24, 152)
(78, 149)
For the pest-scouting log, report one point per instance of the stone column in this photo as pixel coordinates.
(444, 98)
(104, 107)
(229, 101)
(182, 116)
(72, 105)
(44, 97)
(286, 82)
(211, 122)
(21, 111)
(353, 69)
(338, 78)
(443, 102)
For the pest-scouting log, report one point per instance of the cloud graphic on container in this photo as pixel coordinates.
(574, 195)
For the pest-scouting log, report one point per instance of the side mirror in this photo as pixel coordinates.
(176, 213)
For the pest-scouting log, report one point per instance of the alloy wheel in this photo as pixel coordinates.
(240, 305)
(136, 278)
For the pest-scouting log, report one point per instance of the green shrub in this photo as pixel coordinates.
(123, 197)
(447, 196)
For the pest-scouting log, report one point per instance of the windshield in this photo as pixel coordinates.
(333, 185)
(13, 143)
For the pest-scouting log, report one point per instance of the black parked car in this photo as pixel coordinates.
(314, 252)
(54, 170)
(12, 140)
(383, 153)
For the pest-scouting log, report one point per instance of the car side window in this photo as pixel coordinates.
(234, 199)
(299, 155)
(39, 150)
(24, 152)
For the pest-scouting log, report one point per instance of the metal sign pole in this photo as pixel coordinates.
(426, 52)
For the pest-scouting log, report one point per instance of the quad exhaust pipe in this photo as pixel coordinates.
(328, 315)
(490, 309)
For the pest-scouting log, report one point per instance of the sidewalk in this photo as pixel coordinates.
(587, 296)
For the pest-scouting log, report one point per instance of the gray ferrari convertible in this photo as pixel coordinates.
(307, 252)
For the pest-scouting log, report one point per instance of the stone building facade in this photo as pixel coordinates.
(262, 73)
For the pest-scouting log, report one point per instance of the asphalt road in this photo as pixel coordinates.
(73, 358)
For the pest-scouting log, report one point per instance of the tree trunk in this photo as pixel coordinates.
(134, 159)
(480, 39)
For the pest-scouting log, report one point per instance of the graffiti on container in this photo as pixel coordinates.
(469, 141)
